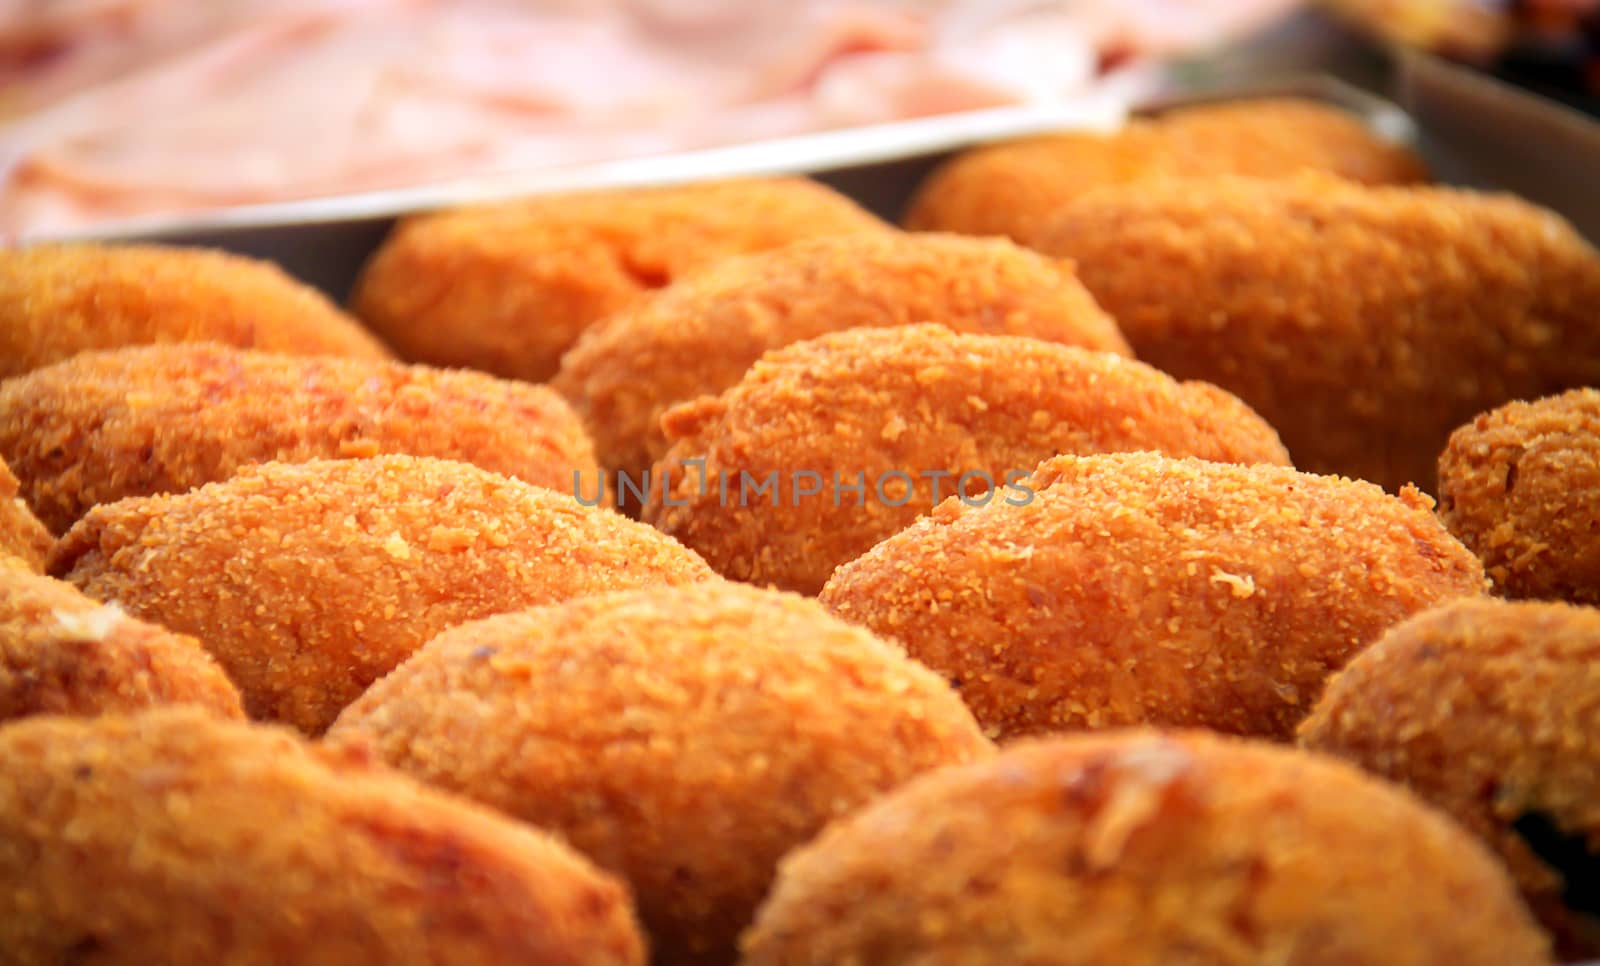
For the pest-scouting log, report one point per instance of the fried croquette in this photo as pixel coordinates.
(21, 534)
(1520, 486)
(310, 581)
(174, 837)
(1011, 188)
(62, 653)
(684, 738)
(61, 299)
(1364, 323)
(1488, 710)
(165, 419)
(1138, 589)
(698, 337)
(1145, 849)
(508, 288)
(862, 431)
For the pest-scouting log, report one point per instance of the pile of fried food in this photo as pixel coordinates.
(720, 574)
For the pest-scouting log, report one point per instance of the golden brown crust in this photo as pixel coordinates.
(1364, 323)
(1134, 588)
(59, 300)
(1145, 849)
(685, 738)
(310, 581)
(1520, 486)
(508, 288)
(21, 533)
(165, 419)
(173, 837)
(62, 653)
(916, 401)
(699, 337)
(1012, 188)
(1488, 711)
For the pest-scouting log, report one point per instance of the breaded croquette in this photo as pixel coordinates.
(1520, 486)
(61, 299)
(174, 837)
(684, 738)
(165, 419)
(1488, 710)
(21, 533)
(62, 653)
(1145, 849)
(508, 288)
(1139, 589)
(1363, 323)
(865, 430)
(698, 337)
(1009, 189)
(310, 581)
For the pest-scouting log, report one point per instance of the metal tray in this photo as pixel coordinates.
(325, 242)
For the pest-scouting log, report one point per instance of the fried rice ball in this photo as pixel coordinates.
(698, 337)
(684, 738)
(1139, 589)
(1011, 188)
(62, 653)
(165, 419)
(862, 431)
(61, 299)
(174, 837)
(1520, 486)
(508, 288)
(1145, 849)
(310, 581)
(21, 534)
(1364, 323)
(1487, 710)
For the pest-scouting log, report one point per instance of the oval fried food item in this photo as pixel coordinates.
(684, 738)
(1487, 710)
(507, 288)
(164, 419)
(1520, 486)
(62, 653)
(1145, 849)
(1014, 187)
(700, 336)
(21, 534)
(310, 581)
(174, 837)
(863, 431)
(1139, 589)
(58, 300)
(1363, 323)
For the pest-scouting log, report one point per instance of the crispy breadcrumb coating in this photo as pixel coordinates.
(888, 411)
(1520, 486)
(1145, 849)
(174, 837)
(508, 288)
(1135, 588)
(62, 653)
(1011, 188)
(684, 738)
(1364, 323)
(1488, 710)
(165, 419)
(698, 337)
(61, 299)
(310, 581)
(21, 533)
